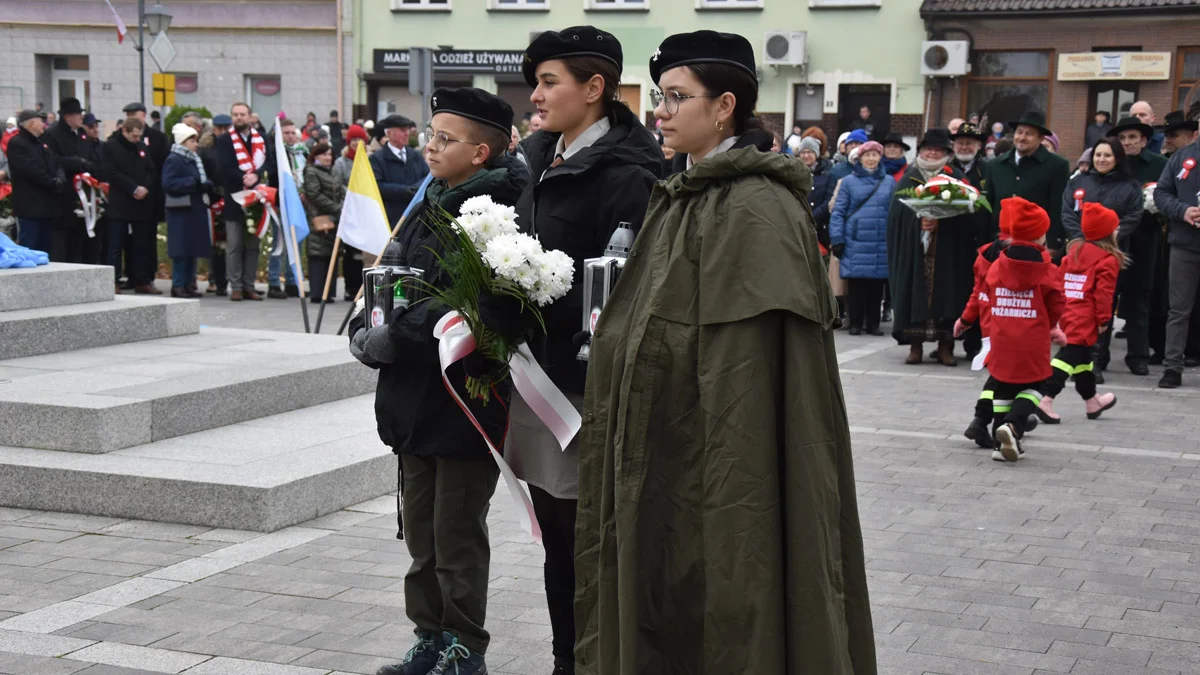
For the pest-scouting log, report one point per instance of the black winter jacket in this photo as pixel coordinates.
(1116, 190)
(33, 167)
(822, 191)
(575, 207)
(414, 412)
(231, 175)
(72, 148)
(126, 166)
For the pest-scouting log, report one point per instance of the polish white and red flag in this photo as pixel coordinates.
(121, 30)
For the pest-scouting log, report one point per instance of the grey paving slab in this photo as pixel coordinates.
(54, 285)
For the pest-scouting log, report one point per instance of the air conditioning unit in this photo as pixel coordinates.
(785, 48)
(945, 58)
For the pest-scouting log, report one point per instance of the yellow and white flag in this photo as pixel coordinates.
(363, 224)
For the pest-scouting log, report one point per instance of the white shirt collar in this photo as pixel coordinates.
(723, 146)
(399, 152)
(586, 139)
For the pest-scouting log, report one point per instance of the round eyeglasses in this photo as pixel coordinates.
(440, 140)
(672, 99)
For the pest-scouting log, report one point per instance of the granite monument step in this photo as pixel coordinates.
(260, 475)
(118, 320)
(54, 285)
(103, 399)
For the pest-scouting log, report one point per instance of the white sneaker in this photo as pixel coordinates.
(1008, 446)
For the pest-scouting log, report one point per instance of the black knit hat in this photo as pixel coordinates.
(474, 104)
(936, 138)
(702, 46)
(573, 41)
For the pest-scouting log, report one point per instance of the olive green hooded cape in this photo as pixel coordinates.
(717, 528)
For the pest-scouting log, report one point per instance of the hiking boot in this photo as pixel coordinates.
(419, 660)
(1171, 379)
(945, 353)
(235, 296)
(251, 294)
(458, 660)
(1099, 403)
(276, 293)
(1045, 411)
(1008, 446)
(914, 355)
(978, 431)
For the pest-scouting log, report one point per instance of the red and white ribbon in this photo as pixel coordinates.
(1079, 195)
(262, 195)
(89, 200)
(1188, 165)
(455, 342)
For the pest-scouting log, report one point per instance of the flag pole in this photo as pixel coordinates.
(294, 252)
(337, 242)
(350, 311)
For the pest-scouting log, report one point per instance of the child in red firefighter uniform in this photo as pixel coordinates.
(1024, 298)
(1089, 276)
(980, 429)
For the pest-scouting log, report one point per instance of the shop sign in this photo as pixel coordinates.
(469, 61)
(1114, 66)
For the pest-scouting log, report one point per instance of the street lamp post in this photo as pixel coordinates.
(154, 20)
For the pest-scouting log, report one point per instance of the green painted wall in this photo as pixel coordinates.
(879, 45)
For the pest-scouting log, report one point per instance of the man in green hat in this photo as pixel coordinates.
(1137, 281)
(1032, 172)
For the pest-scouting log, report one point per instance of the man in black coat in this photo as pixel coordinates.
(237, 174)
(68, 140)
(398, 168)
(159, 146)
(130, 173)
(39, 186)
(217, 280)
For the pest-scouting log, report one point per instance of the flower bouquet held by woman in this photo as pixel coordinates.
(488, 258)
(943, 197)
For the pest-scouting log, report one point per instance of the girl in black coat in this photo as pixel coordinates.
(130, 172)
(593, 164)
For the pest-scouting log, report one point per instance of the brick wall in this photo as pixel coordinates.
(1069, 101)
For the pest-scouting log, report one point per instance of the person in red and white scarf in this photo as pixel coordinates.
(244, 158)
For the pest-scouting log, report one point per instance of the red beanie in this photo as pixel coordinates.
(1098, 222)
(1027, 221)
(356, 131)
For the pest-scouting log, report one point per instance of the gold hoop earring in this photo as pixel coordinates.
(719, 125)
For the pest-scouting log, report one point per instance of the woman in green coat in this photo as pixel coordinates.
(717, 530)
(325, 194)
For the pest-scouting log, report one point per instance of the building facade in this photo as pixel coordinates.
(1069, 58)
(859, 52)
(274, 55)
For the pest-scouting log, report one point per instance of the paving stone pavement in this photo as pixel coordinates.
(1080, 559)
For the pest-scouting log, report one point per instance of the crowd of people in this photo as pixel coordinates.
(704, 486)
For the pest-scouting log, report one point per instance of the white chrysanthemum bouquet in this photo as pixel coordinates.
(1148, 198)
(486, 254)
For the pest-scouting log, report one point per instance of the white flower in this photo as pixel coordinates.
(480, 204)
(504, 254)
(946, 196)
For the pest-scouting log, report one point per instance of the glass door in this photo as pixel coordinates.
(68, 83)
(1113, 98)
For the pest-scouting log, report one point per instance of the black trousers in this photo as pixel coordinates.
(1014, 402)
(216, 271)
(865, 296)
(352, 269)
(142, 260)
(71, 243)
(1072, 360)
(556, 517)
(318, 268)
(983, 405)
(1137, 289)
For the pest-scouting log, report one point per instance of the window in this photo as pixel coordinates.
(729, 4)
(1187, 76)
(263, 93)
(1003, 86)
(536, 5)
(640, 5)
(187, 90)
(820, 4)
(418, 5)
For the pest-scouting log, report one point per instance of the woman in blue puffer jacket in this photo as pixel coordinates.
(858, 235)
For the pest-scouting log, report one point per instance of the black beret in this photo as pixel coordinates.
(703, 46)
(474, 104)
(394, 122)
(573, 41)
(134, 107)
